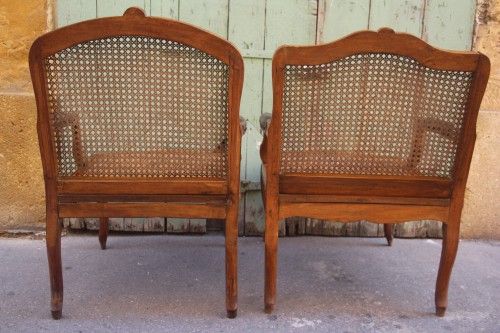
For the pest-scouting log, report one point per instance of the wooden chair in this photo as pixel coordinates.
(138, 117)
(377, 126)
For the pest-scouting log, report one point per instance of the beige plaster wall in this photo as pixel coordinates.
(21, 189)
(21, 179)
(21, 21)
(481, 214)
(487, 41)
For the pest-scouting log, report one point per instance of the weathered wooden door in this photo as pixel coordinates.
(257, 28)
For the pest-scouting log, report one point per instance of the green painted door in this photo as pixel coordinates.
(257, 28)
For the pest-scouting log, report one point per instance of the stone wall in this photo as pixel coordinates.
(21, 186)
(481, 214)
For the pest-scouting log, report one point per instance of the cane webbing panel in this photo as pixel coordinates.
(379, 114)
(138, 106)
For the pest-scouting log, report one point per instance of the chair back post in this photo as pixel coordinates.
(468, 137)
(274, 132)
(236, 75)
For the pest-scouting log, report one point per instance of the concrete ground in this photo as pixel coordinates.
(163, 283)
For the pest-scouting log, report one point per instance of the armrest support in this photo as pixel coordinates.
(243, 125)
(73, 121)
(446, 129)
(243, 128)
(66, 119)
(265, 122)
(442, 127)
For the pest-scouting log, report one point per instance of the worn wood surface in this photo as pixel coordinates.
(185, 210)
(117, 7)
(149, 186)
(405, 16)
(154, 224)
(73, 11)
(344, 17)
(242, 15)
(380, 213)
(449, 24)
(366, 185)
(177, 225)
(165, 8)
(211, 15)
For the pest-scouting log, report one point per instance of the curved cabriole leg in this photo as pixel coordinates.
(103, 231)
(232, 259)
(448, 254)
(271, 241)
(388, 233)
(53, 242)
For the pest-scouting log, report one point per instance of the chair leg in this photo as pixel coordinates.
(271, 241)
(263, 188)
(388, 233)
(53, 242)
(103, 231)
(263, 193)
(232, 260)
(448, 254)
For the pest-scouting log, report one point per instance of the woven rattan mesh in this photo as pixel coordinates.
(379, 114)
(140, 107)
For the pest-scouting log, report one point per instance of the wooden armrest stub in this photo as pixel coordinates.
(265, 120)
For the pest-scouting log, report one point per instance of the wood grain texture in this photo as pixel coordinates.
(384, 41)
(412, 229)
(187, 34)
(363, 199)
(107, 8)
(177, 225)
(406, 16)
(344, 17)
(142, 209)
(149, 186)
(246, 24)
(134, 224)
(211, 15)
(449, 24)
(197, 226)
(363, 185)
(327, 228)
(73, 11)
(154, 224)
(254, 214)
(254, 139)
(221, 199)
(378, 213)
(241, 218)
(165, 8)
(290, 23)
